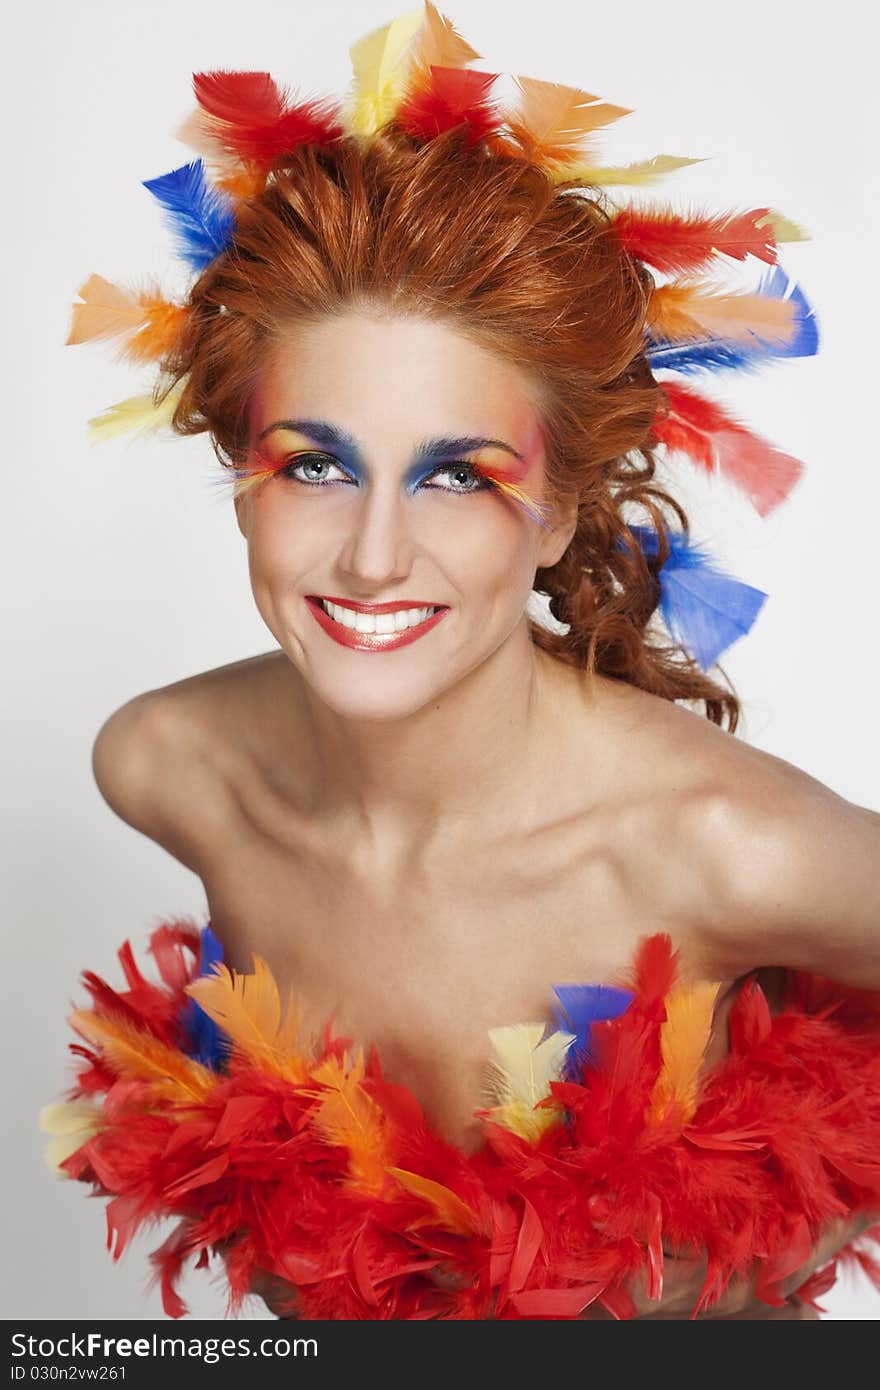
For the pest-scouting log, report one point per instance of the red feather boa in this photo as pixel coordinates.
(783, 1140)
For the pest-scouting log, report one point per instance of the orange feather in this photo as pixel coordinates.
(677, 311)
(684, 1037)
(242, 182)
(248, 1009)
(439, 44)
(140, 1056)
(449, 1209)
(349, 1117)
(556, 121)
(150, 324)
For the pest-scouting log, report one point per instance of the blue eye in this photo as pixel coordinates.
(311, 461)
(324, 461)
(480, 483)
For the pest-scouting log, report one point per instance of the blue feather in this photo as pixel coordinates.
(775, 283)
(698, 354)
(202, 217)
(713, 353)
(583, 1005)
(206, 1042)
(704, 609)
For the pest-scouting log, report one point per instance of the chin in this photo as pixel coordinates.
(379, 700)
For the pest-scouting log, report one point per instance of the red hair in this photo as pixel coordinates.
(533, 271)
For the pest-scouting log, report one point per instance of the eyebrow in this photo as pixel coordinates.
(444, 446)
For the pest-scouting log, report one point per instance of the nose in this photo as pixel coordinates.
(379, 549)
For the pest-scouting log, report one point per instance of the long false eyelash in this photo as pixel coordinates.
(538, 511)
(246, 479)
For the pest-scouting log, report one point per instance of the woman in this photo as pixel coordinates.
(426, 369)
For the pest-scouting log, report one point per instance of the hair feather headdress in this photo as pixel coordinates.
(415, 70)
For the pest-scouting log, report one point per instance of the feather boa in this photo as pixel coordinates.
(195, 1100)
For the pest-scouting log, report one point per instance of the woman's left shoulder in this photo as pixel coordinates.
(792, 866)
(769, 866)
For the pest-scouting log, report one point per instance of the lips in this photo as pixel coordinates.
(373, 641)
(378, 607)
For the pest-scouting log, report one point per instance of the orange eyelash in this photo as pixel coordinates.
(248, 478)
(538, 511)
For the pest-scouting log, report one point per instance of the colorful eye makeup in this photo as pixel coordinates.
(499, 465)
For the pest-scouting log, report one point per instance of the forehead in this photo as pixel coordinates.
(382, 375)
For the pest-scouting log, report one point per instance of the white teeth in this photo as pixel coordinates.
(376, 622)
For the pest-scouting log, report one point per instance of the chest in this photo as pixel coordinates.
(423, 961)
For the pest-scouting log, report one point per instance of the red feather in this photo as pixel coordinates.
(528, 1243)
(253, 119)
(750, 1020)
(783, 1141)
(655, 967)
(691, 424)
(451, 97)
(108, 1004)
(679, 245)
(169, 944)
(817, 1284)
(555, 1303)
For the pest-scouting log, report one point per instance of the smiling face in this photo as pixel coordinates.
(390, 442)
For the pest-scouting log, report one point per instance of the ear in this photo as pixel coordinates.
(555, 541)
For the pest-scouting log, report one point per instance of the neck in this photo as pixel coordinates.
(473, 762)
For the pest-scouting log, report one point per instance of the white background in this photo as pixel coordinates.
(124, 569)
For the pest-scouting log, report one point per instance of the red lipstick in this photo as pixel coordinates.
(377, 607)
(372, 641)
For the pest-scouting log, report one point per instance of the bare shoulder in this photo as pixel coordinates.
(787, 868)
(167, 760)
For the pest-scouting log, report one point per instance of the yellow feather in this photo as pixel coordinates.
(642, 172)
(381, 73)
(351, 1118)
(71, 1123)
(684, 1037)
(139, 1056)
(783, 228)
(559, 120)
(521, 1072)
(449, 1209)
(248, 1009)
(685, 311)
(137, 414)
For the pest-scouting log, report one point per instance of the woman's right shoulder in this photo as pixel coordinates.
(165, 761)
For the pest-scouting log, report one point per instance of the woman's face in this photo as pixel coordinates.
(381, 507)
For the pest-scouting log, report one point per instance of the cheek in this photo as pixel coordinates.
(282, 543)
(486, 557)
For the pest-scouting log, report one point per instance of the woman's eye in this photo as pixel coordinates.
(458, 471)
(314, 468)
